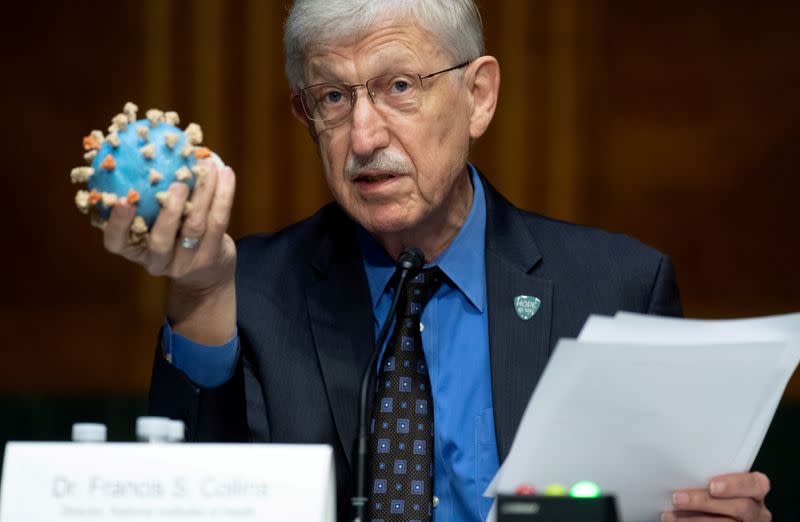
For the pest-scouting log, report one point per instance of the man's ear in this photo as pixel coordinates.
(300, 114)
(483, 77)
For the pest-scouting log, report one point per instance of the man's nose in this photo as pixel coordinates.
(369, 131)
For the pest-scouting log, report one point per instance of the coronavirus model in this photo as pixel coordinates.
(137, 161)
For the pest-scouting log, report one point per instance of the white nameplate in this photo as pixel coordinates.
(54, 482)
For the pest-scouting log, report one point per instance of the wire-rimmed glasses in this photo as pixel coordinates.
(333, 101)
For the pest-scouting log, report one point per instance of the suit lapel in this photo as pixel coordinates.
(518, 348)
(340, 311)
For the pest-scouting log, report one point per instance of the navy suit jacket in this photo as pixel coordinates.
(306, 327)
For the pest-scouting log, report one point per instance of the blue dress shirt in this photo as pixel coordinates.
(208, 366)
(455, 339)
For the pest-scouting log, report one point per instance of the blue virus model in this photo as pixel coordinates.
(137, 161)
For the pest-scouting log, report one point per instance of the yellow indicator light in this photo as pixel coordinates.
(555, 490)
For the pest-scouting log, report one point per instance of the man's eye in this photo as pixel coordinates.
(399, 86)
(332, 97)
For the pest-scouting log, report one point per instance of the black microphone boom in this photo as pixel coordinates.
(410, 260)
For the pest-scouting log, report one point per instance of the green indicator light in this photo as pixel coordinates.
(555, 490)
(584, 489)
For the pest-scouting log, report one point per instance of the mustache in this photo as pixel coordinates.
(382, 160)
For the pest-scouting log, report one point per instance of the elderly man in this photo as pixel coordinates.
(267, 339)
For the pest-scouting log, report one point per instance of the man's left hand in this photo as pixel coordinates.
(737, 497)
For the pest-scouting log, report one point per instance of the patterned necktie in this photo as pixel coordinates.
(400, 484)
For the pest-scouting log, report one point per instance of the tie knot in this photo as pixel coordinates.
(419, 290)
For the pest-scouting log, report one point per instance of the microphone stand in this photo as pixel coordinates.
(410, 260)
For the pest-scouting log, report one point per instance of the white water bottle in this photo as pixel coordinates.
(176, 431)
(89, 432)
(152, 429)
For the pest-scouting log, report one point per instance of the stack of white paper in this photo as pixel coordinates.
(644, 405)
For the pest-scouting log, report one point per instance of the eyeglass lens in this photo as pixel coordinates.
(330, 101)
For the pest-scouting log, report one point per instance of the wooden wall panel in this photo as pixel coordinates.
(702, 112)
(68, 313)
(673, 121)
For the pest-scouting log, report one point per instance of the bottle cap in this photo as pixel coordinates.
(152, 429)
(176, 431)
(88, 432)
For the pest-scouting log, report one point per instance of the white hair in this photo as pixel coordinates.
(456, 24)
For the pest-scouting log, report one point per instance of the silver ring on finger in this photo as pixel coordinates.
(190, 243)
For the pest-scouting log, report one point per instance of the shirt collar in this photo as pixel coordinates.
(462, 261)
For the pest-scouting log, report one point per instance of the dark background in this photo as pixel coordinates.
(670, 120)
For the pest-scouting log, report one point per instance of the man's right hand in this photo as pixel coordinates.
(202, 297)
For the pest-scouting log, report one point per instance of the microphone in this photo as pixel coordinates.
(410, 260)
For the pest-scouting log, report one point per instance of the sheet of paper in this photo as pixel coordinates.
(627, 327)
(642, 419)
